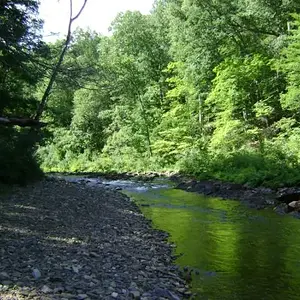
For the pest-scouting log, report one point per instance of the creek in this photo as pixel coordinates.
(236, 252)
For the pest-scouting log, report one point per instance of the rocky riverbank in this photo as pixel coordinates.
(283, 200)
(60, 240)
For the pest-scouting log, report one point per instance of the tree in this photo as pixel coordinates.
(288, 63)
(56, 68)
(20, 45)
(20, 70)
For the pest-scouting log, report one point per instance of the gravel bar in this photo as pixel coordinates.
(60, 240)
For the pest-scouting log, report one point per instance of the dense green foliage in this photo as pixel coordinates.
(208, 88)
(21, 66)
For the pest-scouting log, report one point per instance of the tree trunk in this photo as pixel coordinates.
(147, 126)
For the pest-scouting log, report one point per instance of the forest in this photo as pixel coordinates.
(206, 88)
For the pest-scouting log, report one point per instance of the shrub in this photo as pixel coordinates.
(17, 156)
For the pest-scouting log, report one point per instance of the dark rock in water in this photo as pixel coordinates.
(188, 276)
(181, 185)
(295, 214)
(254, 197)
(288, 195)
(282, 208)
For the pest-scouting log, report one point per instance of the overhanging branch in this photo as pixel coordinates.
(56, 69)
(21, 122)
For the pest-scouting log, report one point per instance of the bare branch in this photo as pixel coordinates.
(80, 11)
(47, 92)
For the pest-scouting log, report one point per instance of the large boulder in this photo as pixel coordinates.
(294, 206)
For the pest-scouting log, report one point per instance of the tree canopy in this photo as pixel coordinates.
(208, 88)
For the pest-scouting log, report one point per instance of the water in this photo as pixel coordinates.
(239, 253)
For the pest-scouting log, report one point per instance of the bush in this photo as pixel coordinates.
(17, 160)
(271, 168)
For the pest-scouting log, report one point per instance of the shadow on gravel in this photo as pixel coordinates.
(59, 240)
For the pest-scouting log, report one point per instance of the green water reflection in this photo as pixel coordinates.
(241, 253)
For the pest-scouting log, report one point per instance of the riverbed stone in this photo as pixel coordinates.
(36, 273)
(46, 290)
(82, 296)
(135, 294)
(294, 205)
(88, 242)
(4, 275)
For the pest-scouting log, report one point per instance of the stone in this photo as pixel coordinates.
(75, 269)
(295, 205)
(36, 273)
(295, 214)
(181, 290)
(4, 288)
(133, 285)
(282, 208)
(114, 295)
(146, 295)
(82, 296)
(25, 293)
(173, 296)
(58, 289)
(46, 290)
(33, 294)
(135, 294)
(94, 254)
(66, 295)
(4, 275)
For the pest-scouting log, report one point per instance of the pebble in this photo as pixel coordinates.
(135, 294)
(94, 254)
(58, 289)
(46, 290)
(114, 295)
(4, 275)
(66, 295)
(25, 293)
(36, 273)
